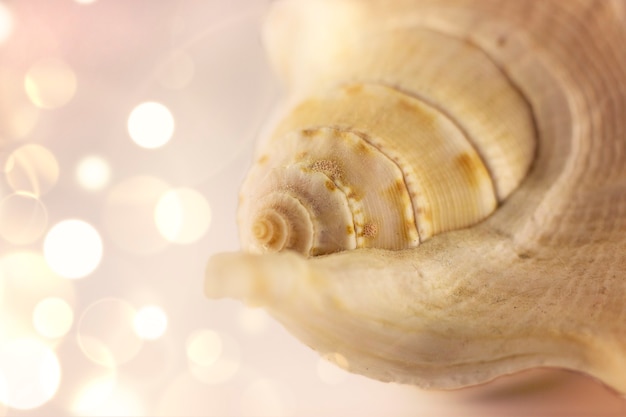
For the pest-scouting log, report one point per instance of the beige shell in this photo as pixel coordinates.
(409, 122)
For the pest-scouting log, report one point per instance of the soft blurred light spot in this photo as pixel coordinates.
(129, 214)
(253, 320)
(106, 332)
(6, 23)
(23, 218)
(122, 402)
(18, 115)
(50, 83)
(53, 317)
(32, 168)
(73, 248)
(93, 173)
(182, 215)
(176, 71)
(27, 280)
(204, 347)
(332, 369)
(31, 371)
(266, 398)
(150, 322)
(151, 125)
(85, 1)
(92, 395)
(204, 366)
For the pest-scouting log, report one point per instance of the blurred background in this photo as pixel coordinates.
(126, 128)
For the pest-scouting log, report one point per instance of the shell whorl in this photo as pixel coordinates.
(405, 143)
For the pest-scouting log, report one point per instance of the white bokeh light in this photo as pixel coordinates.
(182, 215)
(53, 317)
(31, 371)
(151, 125)
(150, 322)
(6, 23)
(73, 248)
(93, 173)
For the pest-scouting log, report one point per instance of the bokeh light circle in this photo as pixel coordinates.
(73, 248)
(106, 332)
(182, 215)
(204, 347)
(93, 173)
(219, 363)
(6, 23)
(50, 83)
(31, 372)
(129, 214)
(32, 168)
(150, 322)
(23, 218)
(53, 317)
(151, 125)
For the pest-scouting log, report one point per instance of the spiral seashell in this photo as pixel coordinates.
(461, 167)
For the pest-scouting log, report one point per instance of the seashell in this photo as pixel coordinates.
(460, 169)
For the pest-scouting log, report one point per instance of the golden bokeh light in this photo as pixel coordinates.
(331, 369)
(93, 173)
(129, 214)
(176, 71)
(27, 280)
(151, 125)
(204, 347)
(31, 372)
(92, 395)
(32, 168)
(182, 215)
(23, 218)
(73, 248)
(53, 317)
(106, 332)
(150, 322)
(253, 321)
(18, 115)
(6, 22)
(50, 83)
(205, 366)
(121, 401)
(266, 398)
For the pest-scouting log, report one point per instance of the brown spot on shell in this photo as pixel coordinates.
(330, 168)
(370, 230)
(472, 167)
(330, 185)
(353, 89)
(349, 230)
(263, 160)
(353, 195)
(309, 133)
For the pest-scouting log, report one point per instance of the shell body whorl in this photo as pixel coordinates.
(415, 121)
(418, 133)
